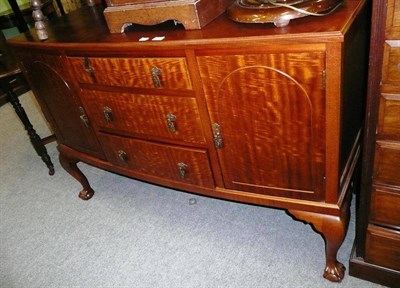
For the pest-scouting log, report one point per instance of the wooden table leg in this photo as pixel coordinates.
(34, 137)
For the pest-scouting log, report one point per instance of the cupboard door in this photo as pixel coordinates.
(60, 105)
(269, 112)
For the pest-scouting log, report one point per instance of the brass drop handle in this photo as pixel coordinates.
(182, 169)
(122, 156)
(155, 73)
(218, 142)
(107, 112)
(171, 118)
(86, 63)
(84, 118)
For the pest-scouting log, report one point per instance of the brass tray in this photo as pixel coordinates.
(279, 12)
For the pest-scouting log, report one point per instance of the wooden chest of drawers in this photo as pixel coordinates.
(241, 112)
(377, 255)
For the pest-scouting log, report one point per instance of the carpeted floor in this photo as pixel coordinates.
(134, 234)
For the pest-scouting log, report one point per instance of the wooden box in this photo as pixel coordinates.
(192, 14)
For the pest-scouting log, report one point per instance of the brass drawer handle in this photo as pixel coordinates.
(218, 142)
(155, 73)
(171, 118)
(182, 169)
(86, 63)
(122, 156)
(107, 112)
(84, 118)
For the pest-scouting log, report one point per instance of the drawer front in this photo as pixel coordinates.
(387, 164)
(148, 116)
(385, 207)
(389, 116)
(190, 166)
(383, 247)
(391, 63)
(168, 73)
(393, 19)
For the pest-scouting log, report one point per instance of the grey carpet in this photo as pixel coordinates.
(134, 234)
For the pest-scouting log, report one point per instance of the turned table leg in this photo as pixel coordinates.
(34, 137)
(69, 164)
(333, 229)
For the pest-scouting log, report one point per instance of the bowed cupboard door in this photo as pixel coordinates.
(49, 78)
(268, 117)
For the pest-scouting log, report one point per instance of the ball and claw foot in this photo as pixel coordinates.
(86, 194)
(335, 272)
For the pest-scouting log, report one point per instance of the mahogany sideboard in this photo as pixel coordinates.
(243, 112)
(376, 256)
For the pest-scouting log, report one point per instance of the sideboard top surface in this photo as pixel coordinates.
(87, 27)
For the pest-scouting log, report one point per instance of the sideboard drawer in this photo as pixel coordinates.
(187, 165)
(149, 116)
(391, 63)
(168, 73)
(387, 163)
(385, 207)
(389, 116)
(383, 247)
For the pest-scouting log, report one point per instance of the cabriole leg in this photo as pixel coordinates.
(69, 164)
(333, 230)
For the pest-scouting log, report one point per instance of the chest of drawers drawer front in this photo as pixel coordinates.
(383, 247)
(389, 116)
(152, 116)
(385, 207)
(190, 166)
(393, 19)
(387, 164)
(168, 73)
(391, 63)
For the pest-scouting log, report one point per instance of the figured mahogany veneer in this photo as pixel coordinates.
(240, 112)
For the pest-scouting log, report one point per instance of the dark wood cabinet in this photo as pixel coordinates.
(242, 112)
(376, 256)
